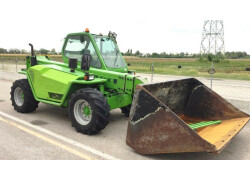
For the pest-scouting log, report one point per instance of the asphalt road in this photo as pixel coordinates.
(47, 134)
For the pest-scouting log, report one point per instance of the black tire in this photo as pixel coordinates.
(98, 109)
(126, 110)
(28, 104)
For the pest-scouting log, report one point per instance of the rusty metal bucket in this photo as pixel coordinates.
(161, 115)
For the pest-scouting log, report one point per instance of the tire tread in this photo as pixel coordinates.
(30, 104)
(101, 107)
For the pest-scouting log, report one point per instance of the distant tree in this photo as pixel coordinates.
(14, 51)
(155, 55)
(138, 54)
(53, 51)
(127, 53)
(36, 51)
(43, 51)
(181, 55)
(210, 57)
(3, 51)
(163, 55)
(219, 57)
(236, 55)
(23, 51)
(171, 55)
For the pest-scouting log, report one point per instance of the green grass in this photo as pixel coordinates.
(226, 70)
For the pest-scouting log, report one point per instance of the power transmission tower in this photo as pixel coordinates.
(212, 40)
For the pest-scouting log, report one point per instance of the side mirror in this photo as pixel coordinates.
(86, 58)
(72, 64)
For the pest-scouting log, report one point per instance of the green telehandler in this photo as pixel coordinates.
(166, 117)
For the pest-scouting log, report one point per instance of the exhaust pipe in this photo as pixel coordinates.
(32, 50)
(33, 57)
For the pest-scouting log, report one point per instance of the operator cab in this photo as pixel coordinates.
(102, 49)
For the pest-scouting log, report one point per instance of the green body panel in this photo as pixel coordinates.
(46, 80)
(119, 100)
(52, 82)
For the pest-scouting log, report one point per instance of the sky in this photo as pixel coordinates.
(148, 26)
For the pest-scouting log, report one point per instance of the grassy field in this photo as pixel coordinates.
(230, 69)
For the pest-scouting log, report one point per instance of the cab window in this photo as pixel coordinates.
(79, 44)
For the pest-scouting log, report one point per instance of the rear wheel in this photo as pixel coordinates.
(22, 97)
(88, 111)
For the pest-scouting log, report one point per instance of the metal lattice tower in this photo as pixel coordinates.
(212, 37)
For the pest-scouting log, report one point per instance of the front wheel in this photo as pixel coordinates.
(88, 111)
(22, 97)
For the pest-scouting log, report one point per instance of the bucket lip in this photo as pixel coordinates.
(181, 79)
(232, 135)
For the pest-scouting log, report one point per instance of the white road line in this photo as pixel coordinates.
(65, 139)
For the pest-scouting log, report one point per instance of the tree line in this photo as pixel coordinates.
(227, 55)
(23, 51)
(129, 52)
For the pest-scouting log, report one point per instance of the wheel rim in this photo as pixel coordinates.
(82, 111)
(19, 96)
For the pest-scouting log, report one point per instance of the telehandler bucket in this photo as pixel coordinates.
(181, 116)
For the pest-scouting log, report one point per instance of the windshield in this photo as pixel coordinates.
(109, 52)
